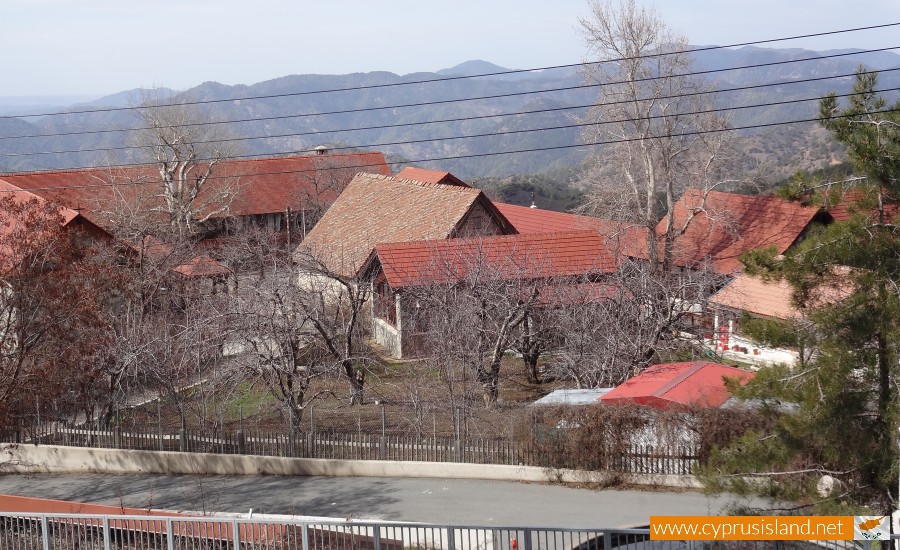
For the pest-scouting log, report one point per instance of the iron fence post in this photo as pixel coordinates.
(236, 534)
(170, 535)
(607, 540)
(304, 533)
(45, 532)
(526, 540)
(451, 538)
(107, 544)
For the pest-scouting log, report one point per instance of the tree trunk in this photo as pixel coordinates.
(357, 379)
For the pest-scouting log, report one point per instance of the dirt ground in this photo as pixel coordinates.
(401, 398)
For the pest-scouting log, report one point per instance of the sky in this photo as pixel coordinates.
(99, 47)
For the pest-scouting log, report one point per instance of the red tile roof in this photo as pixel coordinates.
(528, 256)
(430, 176)
(203, 266)
(258, 186)
(848, 206)
(774, 298)
(673, 385)
(377, 209)
(20, 195)
(9, 226)
(727, 225)
(538, 220)
(761, 298)
(625, 238)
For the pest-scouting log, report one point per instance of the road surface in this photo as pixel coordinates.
(459, 502)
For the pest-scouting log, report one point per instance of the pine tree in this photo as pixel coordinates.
(837, 415)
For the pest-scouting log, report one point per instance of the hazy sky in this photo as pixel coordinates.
(55, 47)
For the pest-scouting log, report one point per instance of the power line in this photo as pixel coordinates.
(461, 77)
(434, 159)
(496, 96)
(451, 138)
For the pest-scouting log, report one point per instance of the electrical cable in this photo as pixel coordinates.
(446, 138)
(416, 161)
(393, 84)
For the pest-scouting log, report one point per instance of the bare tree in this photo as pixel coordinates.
(609, 331)
(472, 312)
(272, 336)
(334, 305)
(324, 183)
(186, 149)
(657, 117)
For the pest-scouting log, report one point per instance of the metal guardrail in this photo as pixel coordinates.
(24, 531)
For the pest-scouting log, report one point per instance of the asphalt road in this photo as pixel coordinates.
(459, 502)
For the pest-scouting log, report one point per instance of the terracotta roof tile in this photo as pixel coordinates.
(259, 186)
(731, 224)
(528, 256)
(774, 298)
(430, 176)
(753, 295)
(847, 207)
(376, 209)
(7, 227)
(625, 238)
(697, 384)
(203, 266)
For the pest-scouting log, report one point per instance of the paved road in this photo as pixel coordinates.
(460, 502)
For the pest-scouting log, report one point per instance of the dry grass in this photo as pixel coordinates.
(401, 398)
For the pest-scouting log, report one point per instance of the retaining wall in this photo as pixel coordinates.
(21, 458)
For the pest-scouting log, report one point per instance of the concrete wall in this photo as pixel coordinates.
(74, 460)
(387, 336)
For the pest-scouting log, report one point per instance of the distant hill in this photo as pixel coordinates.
(442, 120)
(471, 68)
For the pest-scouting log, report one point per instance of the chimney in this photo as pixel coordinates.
(321, 150)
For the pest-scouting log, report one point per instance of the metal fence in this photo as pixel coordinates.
(91, 532)
(637, 459)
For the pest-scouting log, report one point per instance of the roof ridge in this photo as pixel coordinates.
(694, 367)
(514, 236)
(418, 183)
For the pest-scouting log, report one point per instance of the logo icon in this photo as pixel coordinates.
(871, 528)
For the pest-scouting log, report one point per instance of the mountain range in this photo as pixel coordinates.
(431, 123)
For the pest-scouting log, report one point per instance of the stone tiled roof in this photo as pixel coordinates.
(430, 176)
(378, 209)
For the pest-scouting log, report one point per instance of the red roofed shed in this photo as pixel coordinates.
(674, 385)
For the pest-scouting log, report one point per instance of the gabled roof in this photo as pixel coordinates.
(774, 298)
(502, 257)
(672, 385)
(538, 220)
(7, 226)
(848, 206)
(626, 238)
(430, 176)
(202, 266)
(255, 186)
(378, 209)
(727, 225)
(7, 189)
(753, 295)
